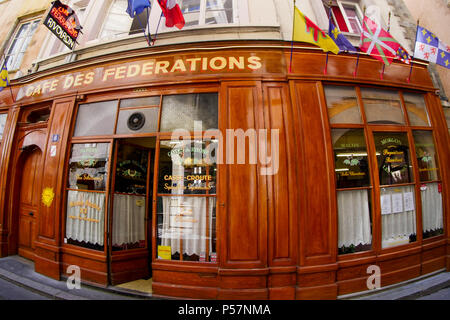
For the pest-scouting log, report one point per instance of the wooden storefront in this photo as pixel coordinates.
(87, 178)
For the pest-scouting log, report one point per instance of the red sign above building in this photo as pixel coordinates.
(64, 23)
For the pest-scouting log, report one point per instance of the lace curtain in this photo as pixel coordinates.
(85, 216)
(129, 219)
(354, 218)
(185, 223)
(431, 207)
(399, 216)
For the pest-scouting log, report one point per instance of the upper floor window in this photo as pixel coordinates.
(19, 43)
(346, 15)
(118, 23)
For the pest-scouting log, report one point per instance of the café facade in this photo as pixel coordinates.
(226, 171)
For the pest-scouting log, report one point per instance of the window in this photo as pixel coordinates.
(375, 133)
(206, 12)
(131, 137)
(346, 15)
(19, 43)
(3, 117)
(118, 23)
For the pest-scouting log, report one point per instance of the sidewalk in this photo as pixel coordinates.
(21, 272)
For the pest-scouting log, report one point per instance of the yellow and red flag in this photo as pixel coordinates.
(305, 30)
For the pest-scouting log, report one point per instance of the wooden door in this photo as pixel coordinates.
(28, 197)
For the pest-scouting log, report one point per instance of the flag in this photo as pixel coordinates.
(172, 12)
(341, 41)
(306, 31)
(137, 6)
(403, 55)
(430, 48)
(378, 42)
(4, 78)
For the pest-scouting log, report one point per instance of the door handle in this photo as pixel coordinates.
(31, 213)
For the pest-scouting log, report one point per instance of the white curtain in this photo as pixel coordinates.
(85, 216)
(129, 219)
(431, 207)
(354, 218)
(185, 224)
(399, 216)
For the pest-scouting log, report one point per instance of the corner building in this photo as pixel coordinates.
(354, 172)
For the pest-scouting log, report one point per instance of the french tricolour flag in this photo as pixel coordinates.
(172, 13)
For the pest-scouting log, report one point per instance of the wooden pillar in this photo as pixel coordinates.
(316, 272)
(242, 208)
(50, 222)
(5, 159)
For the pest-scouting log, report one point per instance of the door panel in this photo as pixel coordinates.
(29, 201)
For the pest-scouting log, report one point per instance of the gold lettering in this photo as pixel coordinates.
(193, 63)
(78, 80)
(161, 65)
(178, 65)
(254, 63)
(233, 62)
(53, 85)
(213, 66)
(89, 78)
(147, 68)
(133, 70)
(68, 82)
(120, 72)
(108, 72)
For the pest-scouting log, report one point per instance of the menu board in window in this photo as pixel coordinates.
(350, 156)
(88, 166)
(394, 162)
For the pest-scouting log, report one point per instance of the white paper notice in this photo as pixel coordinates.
(409, 201)
(386, 204)
(397, 203)
(52, 151)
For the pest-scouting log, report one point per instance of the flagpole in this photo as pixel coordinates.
(388, 29)
(7, 76)
(359, 51)
(329, 17)
(292, 42)
(414, 50)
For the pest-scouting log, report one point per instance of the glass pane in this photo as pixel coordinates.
(2, 123)
(350, 156)
(85, 219)
(187, 167)
(187, 227)
(140, 102)
(432, 214)
(352, 17)
(219, 11)
(394, 164)
(117, 21)
(88, 166)
(180, 111)
(130, 193)
(96, 118)
(417, 112)
(191, 12)
(398, 215)
(137, 121)
(382, 107)
(426, 155)
(354, 221)
(342, 105)
(447, 117)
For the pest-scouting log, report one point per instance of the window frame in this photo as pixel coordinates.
(369, 129)
(7, 56)
(153, 195)
(340, 4)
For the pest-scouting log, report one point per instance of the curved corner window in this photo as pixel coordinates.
(342, 105)
(382, 106)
